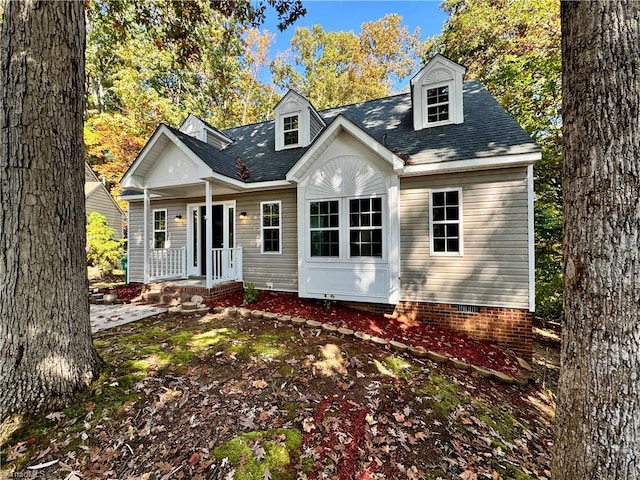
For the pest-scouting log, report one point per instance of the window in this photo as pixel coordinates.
(438, 104)
(159, 228)
(365, 227)
(446, 222)
(290, 129)
(270, 213)
(325, 229)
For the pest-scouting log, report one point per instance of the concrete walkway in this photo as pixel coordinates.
(104, 317)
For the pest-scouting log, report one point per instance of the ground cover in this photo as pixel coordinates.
(411, 332)
(184, 393)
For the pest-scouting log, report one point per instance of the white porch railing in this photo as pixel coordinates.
(167, 263)
(227, 264)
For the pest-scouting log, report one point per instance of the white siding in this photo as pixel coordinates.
(494, 268)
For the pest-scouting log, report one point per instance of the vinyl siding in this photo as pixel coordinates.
(494, 269)
(100, 201)
(176, 231)
(261, 269)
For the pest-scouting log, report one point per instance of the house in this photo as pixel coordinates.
(98, 199)
(420, 202)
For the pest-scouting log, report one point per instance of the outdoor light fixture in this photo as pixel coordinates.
(243, 215)
(178, 218)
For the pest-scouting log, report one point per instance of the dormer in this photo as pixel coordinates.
(203, 131)
(436, 93)
(297, 122)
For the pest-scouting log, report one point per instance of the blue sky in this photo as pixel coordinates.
(335, 15)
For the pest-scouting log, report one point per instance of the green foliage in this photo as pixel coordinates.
(329, 301)
(338, 68)
(102, 250)
(250, 294)
(513, 48)
(278, 448)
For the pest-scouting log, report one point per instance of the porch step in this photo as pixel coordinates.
(161, 297)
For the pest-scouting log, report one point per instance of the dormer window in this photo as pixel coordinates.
(438, 104)
(297, 123)
(290, 130)
(436, 94)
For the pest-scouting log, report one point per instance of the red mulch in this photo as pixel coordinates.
(127, 293)
(410, 332)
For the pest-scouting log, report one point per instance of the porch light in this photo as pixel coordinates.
(243, 215)
(177, 218)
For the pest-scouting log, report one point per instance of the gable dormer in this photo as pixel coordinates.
(297, 122)
(436, 93)
(203, 131)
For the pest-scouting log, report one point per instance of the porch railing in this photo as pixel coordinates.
(227, 264)
(167, 263)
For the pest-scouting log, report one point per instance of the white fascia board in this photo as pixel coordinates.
(343, 123)
(472, 164)
(237, 184)
(139, 196)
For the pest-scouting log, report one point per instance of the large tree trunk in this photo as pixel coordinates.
(598, 419)
(46, 351)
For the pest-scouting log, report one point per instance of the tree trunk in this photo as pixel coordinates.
(598, 418)
(46, 350)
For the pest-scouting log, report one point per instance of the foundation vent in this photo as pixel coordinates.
(468, 309)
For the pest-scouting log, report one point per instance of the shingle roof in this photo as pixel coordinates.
(488, 130)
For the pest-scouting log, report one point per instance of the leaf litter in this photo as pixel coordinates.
(182, 391)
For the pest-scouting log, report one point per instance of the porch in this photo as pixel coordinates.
(223, 265)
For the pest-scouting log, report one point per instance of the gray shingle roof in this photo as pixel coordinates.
(488, 130)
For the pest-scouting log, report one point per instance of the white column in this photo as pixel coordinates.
(145, 237)
(209, 227)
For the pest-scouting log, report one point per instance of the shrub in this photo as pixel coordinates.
(103, 251)
(250, 294)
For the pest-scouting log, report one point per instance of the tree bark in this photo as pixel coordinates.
(46, 350)
(598, 417)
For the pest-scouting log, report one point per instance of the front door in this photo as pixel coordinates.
(222, 233)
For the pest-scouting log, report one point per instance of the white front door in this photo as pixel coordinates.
(223, 233)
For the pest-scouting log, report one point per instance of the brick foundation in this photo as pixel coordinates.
(183, 293)
(510, 328)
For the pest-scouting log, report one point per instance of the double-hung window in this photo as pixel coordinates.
(271, 226)
(438, 104)
(159, 228)
(365, 227)
(445, 222)
(290, 130)
(324, 222)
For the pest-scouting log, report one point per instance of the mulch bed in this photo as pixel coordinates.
(127, 293)
(410, 332)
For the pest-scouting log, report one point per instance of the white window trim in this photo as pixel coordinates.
(425, 106)
(338, 229)
(165, 230)
(284, 132)
(460, 251)
(381, 227)
(262, 227)
(344, 230)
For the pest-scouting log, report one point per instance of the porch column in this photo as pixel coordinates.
(209, 238)
(145, 237)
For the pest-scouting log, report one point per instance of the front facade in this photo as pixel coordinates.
(420, 202)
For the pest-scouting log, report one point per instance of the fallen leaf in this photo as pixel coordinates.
(259, 384)
(398, 416)
(308, 424)
(267, 474)
(195, 458)
(56, 416)
(469, 474)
